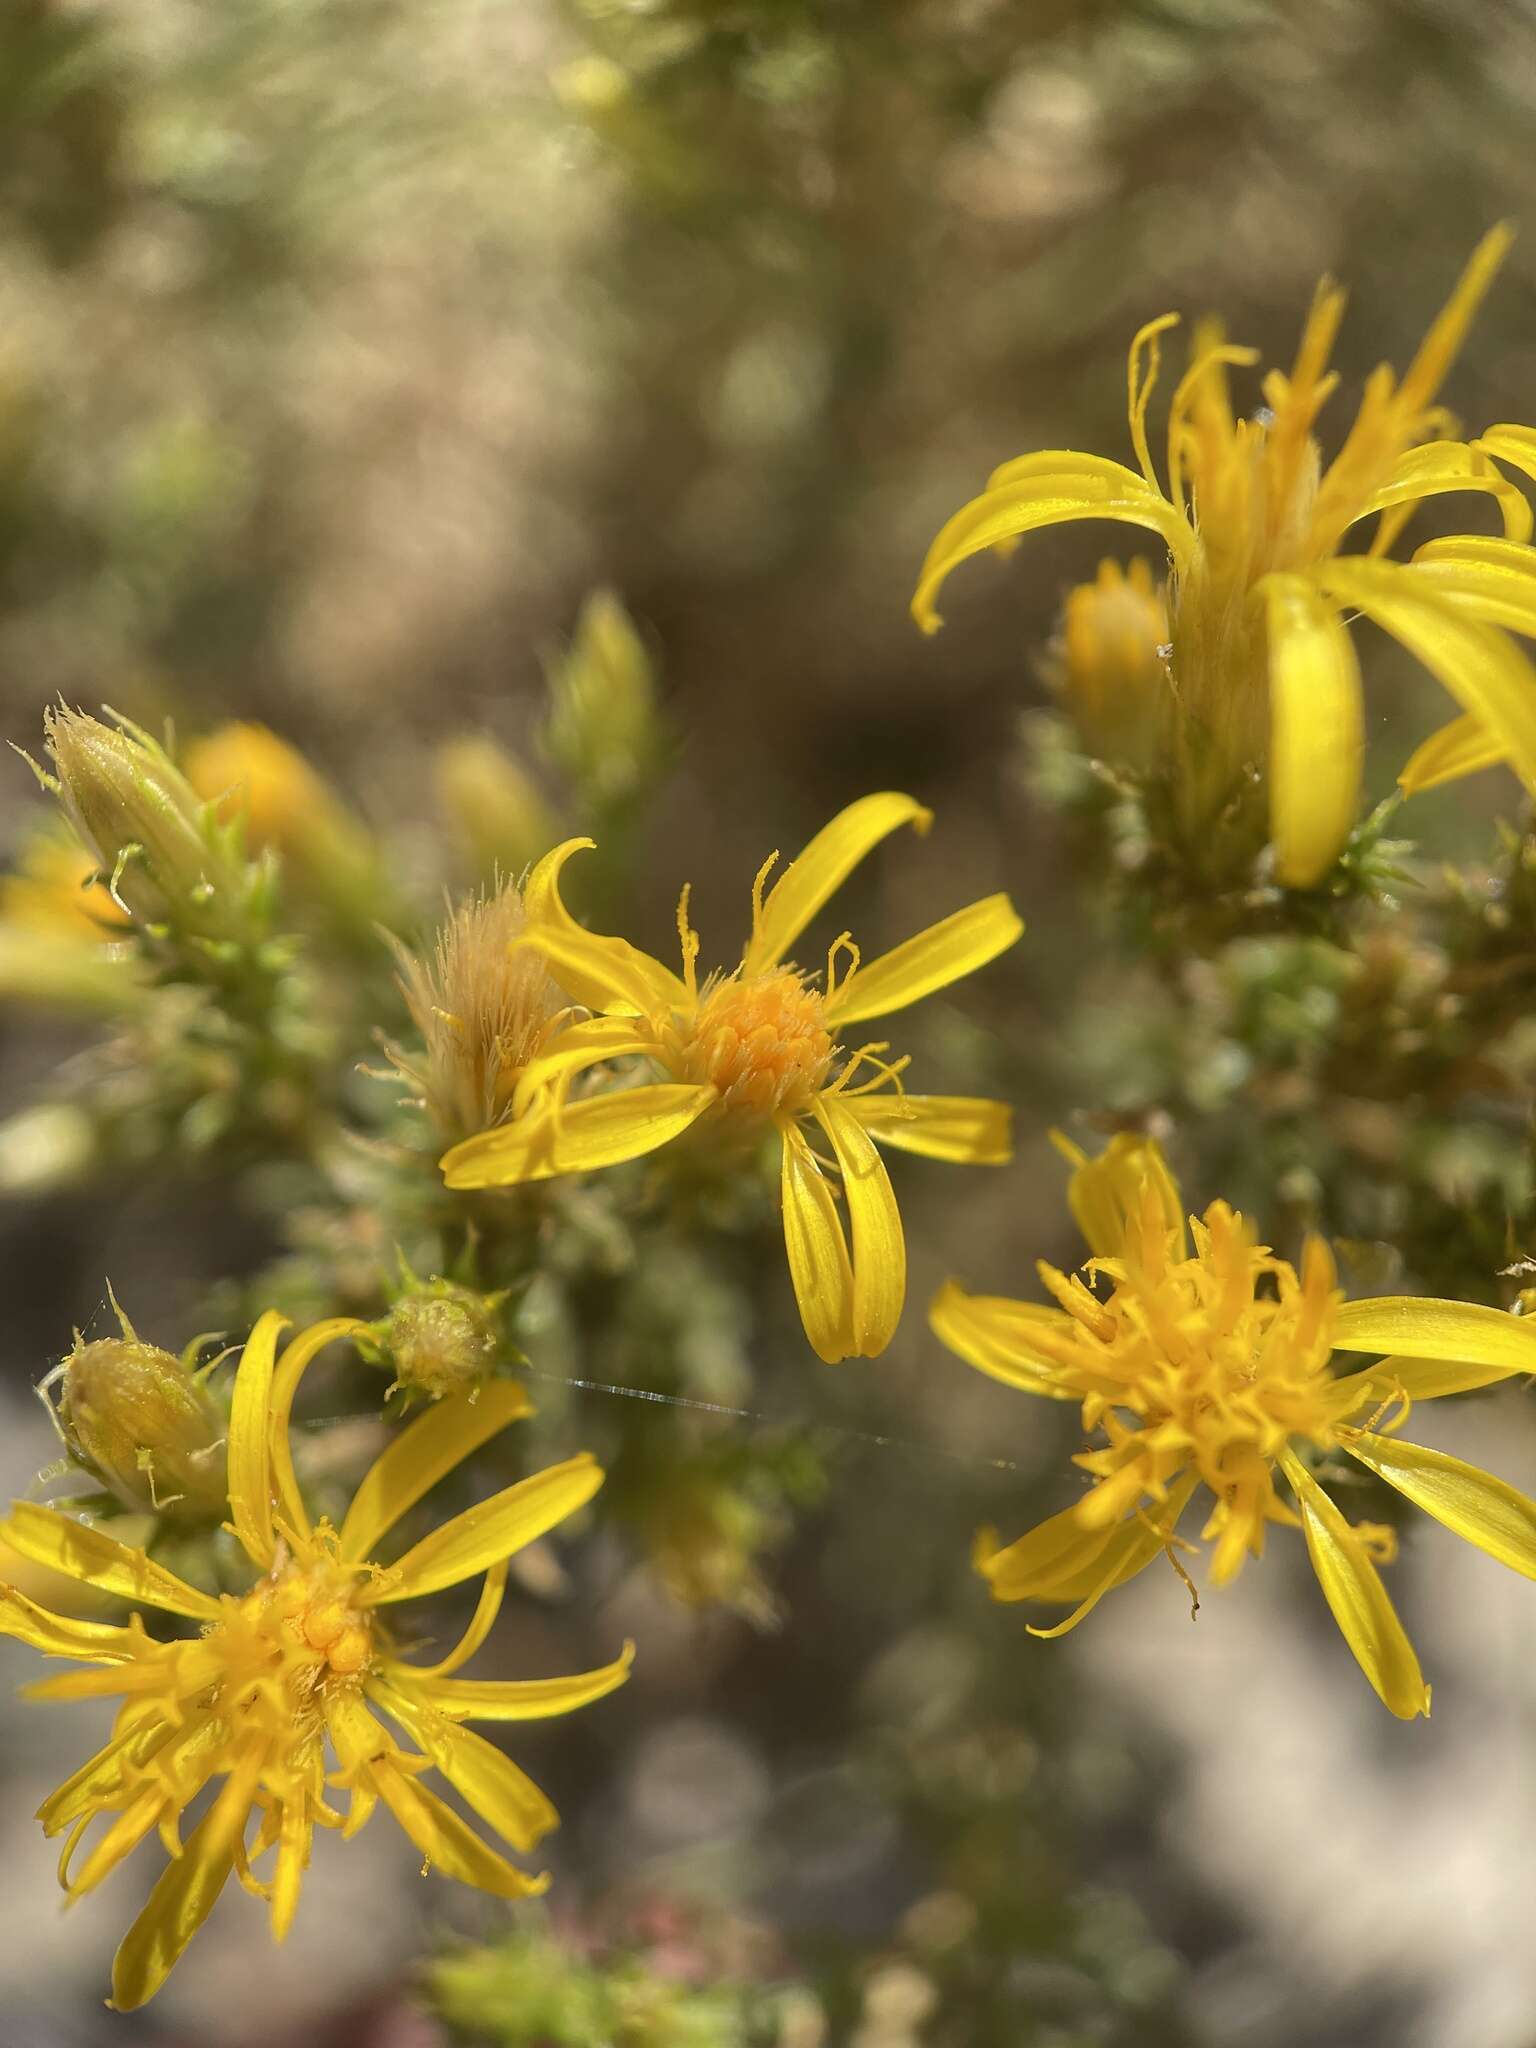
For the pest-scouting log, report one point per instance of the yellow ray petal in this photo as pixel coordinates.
(291, 1368)
(98, 1642)
(932, 960)
(819, 1265)
(250, 1450)
(295, 1832)
(450, 1847)
(1512, 444)
(1480, 665)
(1420, 1379)
(422, 1454)
(1316, 741)
(1047, 496)
(821, 867)
(1056, 1550)
(879, 1247)
(574, 1050)
(100, 1561)
(1417, 1328)
(521, 1699)
(1494, 579)
(1131, 1548)
(969, 1128)
(184, 1896)
(602, 1131)
(1437, 351)
(1441, 466)
(995, 1335)
(601, 973)
(492, 1590)
(1464, 747)
(1105, 1194)
(1353, 1589)
(1478, 1507)
(503, 1796)
(496, 1528)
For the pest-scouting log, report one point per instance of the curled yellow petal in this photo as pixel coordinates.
(1441, 466)
(879, 1247)
(1481, 1509)
(1054, 1551)
(422, 1454)
(1353, 1589)
(1106, 1194)
(291, 1368)
(523, 1699)
(969, 1128)
(1493, 579)
(581, 1137)
(573, 1051)
(98, 1642)
(485, 1777)
(1479, 664)
(1463, 747)
(1419, 1379)
(1077, 487)
(250, 1449)
(1417, 1328)
(957, 946)
(101, 1561)
(997, 1336)
(483, 1535)
(601, 973)
(819, 1265)
(1316, 739)
(819, 870)
(1131, 1548)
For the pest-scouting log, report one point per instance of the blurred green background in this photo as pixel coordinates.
(343, 348)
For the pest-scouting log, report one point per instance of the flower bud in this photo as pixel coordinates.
(603, 731)
(500, 821)
(140, 1420)
(166, 861)
(439, 1338)
(483, 1006)
(1114, 643)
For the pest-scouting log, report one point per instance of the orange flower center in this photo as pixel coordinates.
(763, 1043)
(315, 1616)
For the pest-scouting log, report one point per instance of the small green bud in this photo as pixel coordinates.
(439, 1338)
(500, 822)
(140, 1420)
(161, 848)
(603, 730)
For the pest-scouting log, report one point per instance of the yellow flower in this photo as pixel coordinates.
(1209, 1363)
(755, 1049)
(301, 1658)
(58, 892)
(1114, 641)
(1261, 661)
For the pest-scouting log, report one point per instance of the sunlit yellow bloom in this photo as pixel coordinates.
(300, 1659)
(282, 801)
(1260, 661)
(57, 891)
(754, 1049)
(1114, 661)
(1207, 1362)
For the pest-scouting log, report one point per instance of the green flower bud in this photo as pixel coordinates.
(439, 1339)
(161, 848)
(139, 1420)
(603, 729)
(500, 821)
